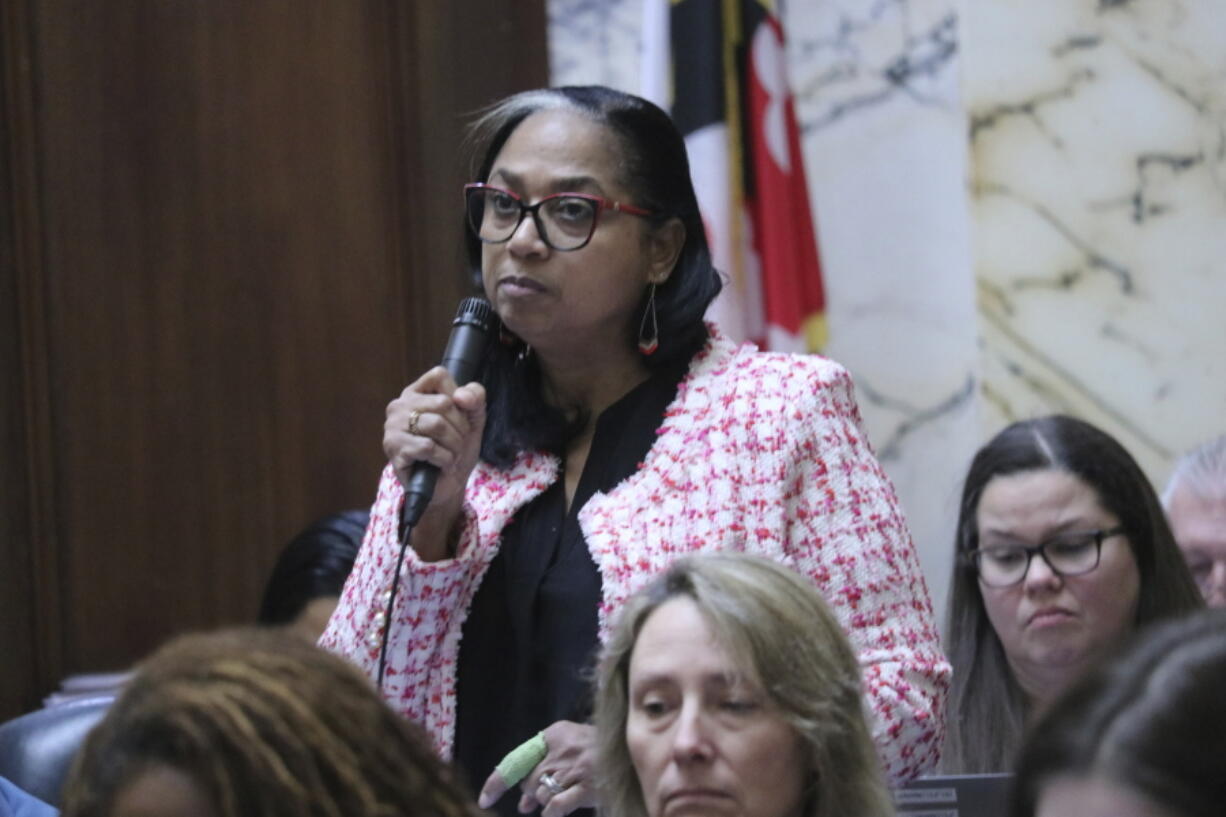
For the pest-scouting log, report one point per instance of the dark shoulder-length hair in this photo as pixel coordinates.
(655, 170)
(315, 563)
(988, 706)
(1150, 721)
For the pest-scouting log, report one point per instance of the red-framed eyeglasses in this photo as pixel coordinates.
(564, 221)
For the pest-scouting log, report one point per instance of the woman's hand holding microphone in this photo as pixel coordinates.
(435, 421)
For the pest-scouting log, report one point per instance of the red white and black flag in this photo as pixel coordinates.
(719, 66)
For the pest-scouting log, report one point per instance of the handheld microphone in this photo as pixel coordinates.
(462, 360)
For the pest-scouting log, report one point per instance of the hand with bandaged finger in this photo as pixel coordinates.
(555, 770)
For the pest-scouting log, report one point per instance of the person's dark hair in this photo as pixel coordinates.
(990, 706)
(655, 169)
(315, 563)
(1150, 721)
(267, 726)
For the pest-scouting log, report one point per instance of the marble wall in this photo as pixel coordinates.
(1098, 156)
(1019, 206)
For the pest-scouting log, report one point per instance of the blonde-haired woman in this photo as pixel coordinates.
(728, 687)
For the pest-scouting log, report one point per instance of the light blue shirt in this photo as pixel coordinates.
(17, 803)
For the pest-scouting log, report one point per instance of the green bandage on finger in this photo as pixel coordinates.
(521, 760)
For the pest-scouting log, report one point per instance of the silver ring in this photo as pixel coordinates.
(414, 416)
(550, 782)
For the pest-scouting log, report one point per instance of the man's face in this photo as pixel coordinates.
(1199, 525)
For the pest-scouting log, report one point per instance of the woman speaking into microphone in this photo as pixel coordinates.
(612, 431)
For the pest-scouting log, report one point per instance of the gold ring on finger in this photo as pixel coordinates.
(414, 416)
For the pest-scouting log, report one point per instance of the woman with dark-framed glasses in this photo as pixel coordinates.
(1063, 551)
(612, 431)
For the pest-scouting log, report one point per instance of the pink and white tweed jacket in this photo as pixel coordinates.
(758, 452)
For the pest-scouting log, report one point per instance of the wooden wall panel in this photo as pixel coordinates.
(245, 216)
(451, 59)
(30, 614)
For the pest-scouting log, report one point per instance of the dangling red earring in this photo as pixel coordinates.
(512, 341)
(649, 335)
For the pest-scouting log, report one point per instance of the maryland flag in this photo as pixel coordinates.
(719, 67)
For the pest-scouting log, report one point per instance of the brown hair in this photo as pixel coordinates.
(779, 629)
(267, 725)
(989, 705)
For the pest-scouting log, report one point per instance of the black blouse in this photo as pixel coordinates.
(528, 646)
